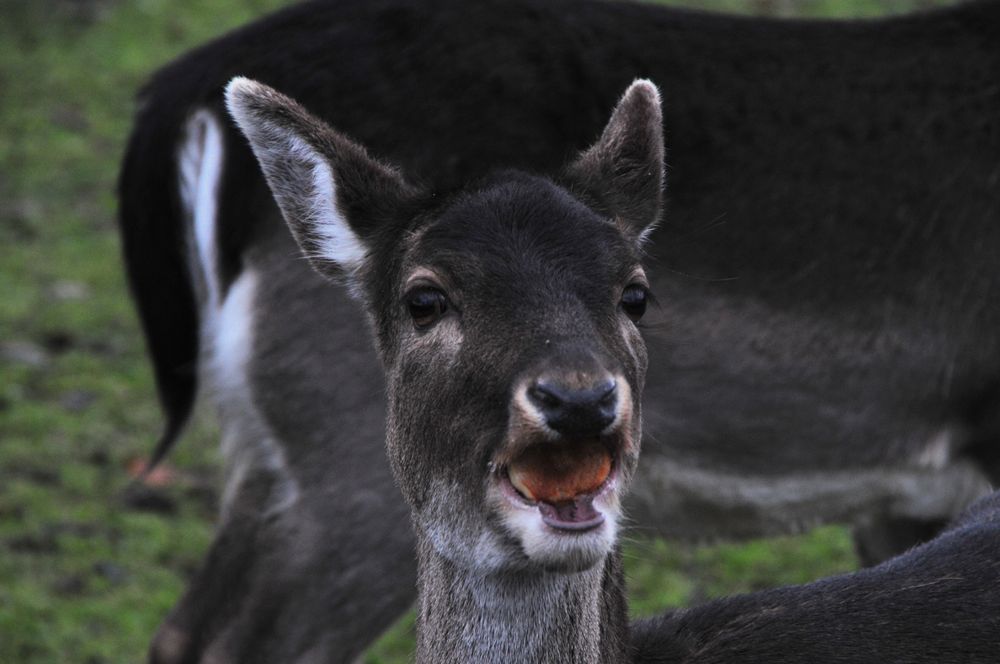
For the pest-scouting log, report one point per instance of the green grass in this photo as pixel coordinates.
(84, 577)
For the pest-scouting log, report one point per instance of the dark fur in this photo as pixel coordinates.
(935, 604)
(531, 272)
(533, 281)
(827, 268)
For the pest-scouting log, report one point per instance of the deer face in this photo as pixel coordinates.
(505, 317)
(518, 367)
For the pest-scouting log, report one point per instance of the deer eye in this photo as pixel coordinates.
(634, 299)
(426, 305)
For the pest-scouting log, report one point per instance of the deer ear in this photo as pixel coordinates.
(622, 174)
(331, 193)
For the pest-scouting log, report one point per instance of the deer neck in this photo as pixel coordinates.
(466, 616)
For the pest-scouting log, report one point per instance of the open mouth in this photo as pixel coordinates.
(562, 479)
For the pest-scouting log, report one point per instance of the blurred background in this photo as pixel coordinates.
(89, 566)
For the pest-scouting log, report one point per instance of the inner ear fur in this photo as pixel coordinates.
(622, 174)
(332, 194)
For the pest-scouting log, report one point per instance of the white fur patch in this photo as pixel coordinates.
(232, 333)
(938, 451)
(300, 177)
(247, 443)
(200, 161)
(338, 243)
(226, 325)
(547, 548)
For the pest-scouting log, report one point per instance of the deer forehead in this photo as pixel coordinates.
(521, 238)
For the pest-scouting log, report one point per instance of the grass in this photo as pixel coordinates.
(86, 575)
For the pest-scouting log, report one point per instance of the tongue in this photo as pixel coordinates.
(576, 514)
(561, 474)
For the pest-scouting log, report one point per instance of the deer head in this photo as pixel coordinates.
(505, 316)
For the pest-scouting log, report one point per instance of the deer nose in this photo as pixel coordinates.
(576, 411)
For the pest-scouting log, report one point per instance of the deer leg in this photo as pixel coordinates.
(276, 586)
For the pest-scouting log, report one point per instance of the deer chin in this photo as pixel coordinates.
(560, 500)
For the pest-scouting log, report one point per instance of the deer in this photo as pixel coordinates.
(822, 343)
(506, 320)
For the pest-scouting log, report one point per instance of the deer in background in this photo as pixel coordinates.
(505, 317)
(823, 347)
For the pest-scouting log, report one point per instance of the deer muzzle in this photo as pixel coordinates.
(567, 438)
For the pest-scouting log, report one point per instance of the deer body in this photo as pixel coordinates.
(495, 444)
(822, 350)
(505, 318)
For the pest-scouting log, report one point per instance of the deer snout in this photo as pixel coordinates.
(575, 411)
